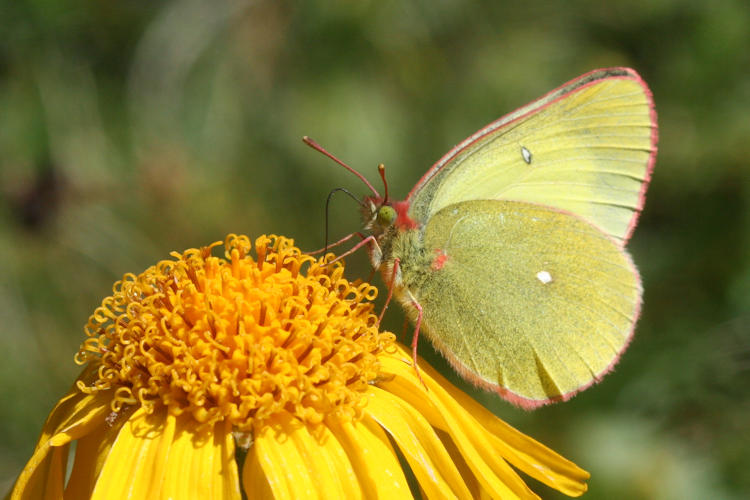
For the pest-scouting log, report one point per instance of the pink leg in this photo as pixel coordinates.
(369, 240)
(415, 339)
(405, 327)
(391, 285)
(334, 245)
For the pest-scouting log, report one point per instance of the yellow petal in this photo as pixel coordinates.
(43, 476)
(75, 406)
(525, 453)
(374, 461)
(201, 465)
(430, 462)
(281, 463)
(466, 473)
(41, 471)
(404, 381)
(319, 468)
(136, 462)
(492, 472)
(162, 456)
(328, 464)
(255, 483)
(33, 480)
(56, 478)
(91, 453)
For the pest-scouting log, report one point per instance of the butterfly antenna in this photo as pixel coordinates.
(381, 171)
(317, 147)
(328, 203)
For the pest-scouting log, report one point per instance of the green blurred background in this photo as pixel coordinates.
(130, 129)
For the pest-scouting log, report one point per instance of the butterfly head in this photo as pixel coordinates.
(382, 216)
(386, 216)
(378, 215)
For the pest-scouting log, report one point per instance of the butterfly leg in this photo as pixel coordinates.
(417, 306)
(391, 286)
(333, 245)
(415, 338)
(369, 240)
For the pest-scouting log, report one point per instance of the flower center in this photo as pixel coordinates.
(237, 338)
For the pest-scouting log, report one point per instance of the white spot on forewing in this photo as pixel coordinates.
(526, 154)
(454, 211)
(544, 276)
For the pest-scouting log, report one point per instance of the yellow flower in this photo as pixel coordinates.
(206, 376)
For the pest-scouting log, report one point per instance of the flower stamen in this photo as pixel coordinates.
(237, 338)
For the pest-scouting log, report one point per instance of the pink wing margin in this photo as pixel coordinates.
(549, 98)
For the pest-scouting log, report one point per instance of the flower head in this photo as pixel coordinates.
(273, 365)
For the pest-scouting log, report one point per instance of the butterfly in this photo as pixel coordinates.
(509, 252)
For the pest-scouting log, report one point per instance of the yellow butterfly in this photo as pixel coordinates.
(509, 252)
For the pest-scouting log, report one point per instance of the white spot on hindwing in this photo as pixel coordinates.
(544, 276)
(526, 154)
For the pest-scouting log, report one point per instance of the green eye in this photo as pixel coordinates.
(386, 215)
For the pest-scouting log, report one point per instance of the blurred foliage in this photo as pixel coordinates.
(130, 129)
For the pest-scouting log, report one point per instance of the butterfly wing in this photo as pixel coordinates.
(586, 148)
(532, 302)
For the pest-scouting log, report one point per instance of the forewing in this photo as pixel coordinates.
(586, 148)
(532, 302)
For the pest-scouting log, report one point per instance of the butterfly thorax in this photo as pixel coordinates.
(398, 238)
(406, 246)
(381, 218)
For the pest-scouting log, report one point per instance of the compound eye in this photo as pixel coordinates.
(386, 216)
